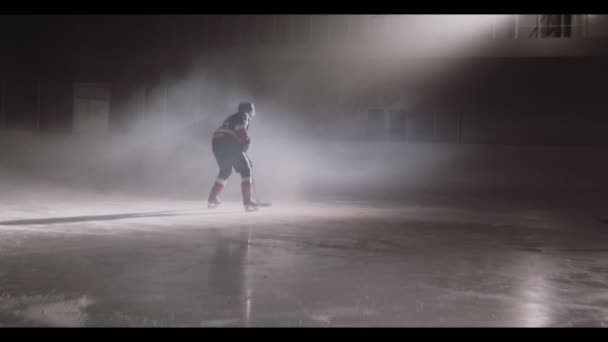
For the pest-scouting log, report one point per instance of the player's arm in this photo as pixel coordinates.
(242, 136)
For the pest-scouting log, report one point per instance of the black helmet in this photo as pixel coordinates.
(246, 107)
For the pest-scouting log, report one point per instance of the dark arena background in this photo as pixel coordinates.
(424, 171)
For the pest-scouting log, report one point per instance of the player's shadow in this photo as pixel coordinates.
(75, 219)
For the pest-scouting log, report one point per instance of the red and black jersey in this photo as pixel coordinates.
(234, 128)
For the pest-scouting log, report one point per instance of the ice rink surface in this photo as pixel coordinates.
(79, 258)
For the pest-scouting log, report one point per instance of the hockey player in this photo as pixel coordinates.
(230, 144)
